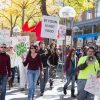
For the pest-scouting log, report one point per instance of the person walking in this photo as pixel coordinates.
(69, 69)
(44, 54)
(5, 70)
(34, 69)
(52, 62)
(87, 65)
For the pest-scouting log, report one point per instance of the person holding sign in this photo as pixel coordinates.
(33, 71)
(87, 65)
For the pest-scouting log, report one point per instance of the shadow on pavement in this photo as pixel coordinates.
(19, 99)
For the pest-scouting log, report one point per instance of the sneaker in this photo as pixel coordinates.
(64, 91)
(22, 89)
(73, 96)
(41, 94)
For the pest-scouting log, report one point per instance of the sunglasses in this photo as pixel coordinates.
(31, 48)
(3, 47)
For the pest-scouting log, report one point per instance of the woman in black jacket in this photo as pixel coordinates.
(52, 62)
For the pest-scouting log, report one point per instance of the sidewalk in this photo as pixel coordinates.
(55, 94)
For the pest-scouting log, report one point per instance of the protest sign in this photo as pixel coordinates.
(4, 37)
(68, 40)
(5, 32)
(22, 43)
(21, 48)
(50, 27)
(32, 35)
(79, 42)
(62, 32)
(93, 85)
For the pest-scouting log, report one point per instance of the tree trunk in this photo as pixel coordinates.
(43, 7)
(11, 25)
(23, 15)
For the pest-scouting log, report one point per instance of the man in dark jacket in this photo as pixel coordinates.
(44, 56)
(5, 71)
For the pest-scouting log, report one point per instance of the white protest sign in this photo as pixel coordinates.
(14, 41)
(5, 40)
(50, 27)
(68, 40)
(5, 32)
(98, 41)
(93, 85)
(62, 32)
(24, 39)
(79, 42)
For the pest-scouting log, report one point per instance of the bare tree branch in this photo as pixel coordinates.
(15, 21)
(5, 17)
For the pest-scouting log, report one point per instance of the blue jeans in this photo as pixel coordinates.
(44, 81)
(32, 81)
(13, 71)
(70, 78)
(3, 82)
(82, 94)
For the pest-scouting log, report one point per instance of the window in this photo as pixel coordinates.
(89, 15)
(97, 9)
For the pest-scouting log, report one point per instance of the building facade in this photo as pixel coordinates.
(89, 23)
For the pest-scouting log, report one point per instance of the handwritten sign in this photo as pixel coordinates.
(62, 32)
(50, 27)
(93, 85)
(21, 48)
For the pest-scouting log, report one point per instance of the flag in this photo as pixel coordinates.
(25, 27)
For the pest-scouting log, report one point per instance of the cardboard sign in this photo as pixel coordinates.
(32, 35)
(50, 27)
(93, 85)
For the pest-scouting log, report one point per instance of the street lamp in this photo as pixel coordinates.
(67, 12)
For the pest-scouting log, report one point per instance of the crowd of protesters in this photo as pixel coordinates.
(39, 66)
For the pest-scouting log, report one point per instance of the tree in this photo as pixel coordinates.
(11, 15)
(28, 9)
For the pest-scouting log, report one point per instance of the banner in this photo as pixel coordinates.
(98, 41)
(62, 32)
(93, 85)
(50, 27)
